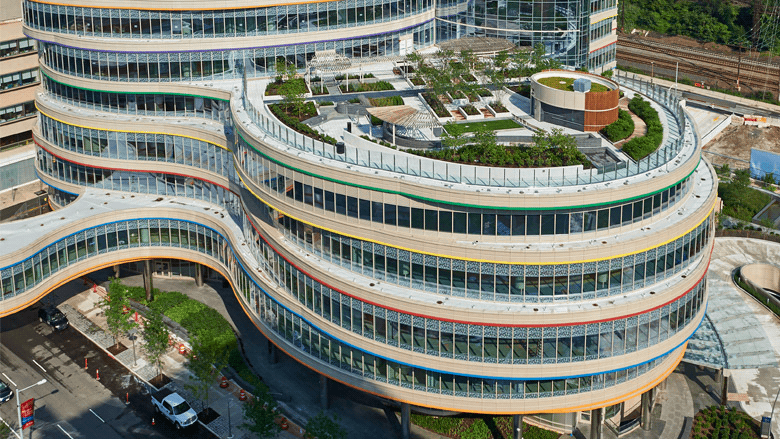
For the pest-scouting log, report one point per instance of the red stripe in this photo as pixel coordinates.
(129, 170)
(606, 45)
(478, 323)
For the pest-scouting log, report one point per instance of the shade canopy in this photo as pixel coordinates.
(405, 116)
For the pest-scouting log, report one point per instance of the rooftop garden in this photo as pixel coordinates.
(640, 147)
(621, 128)
(494, 125)
(567, 84)
(547, 150)
(359, 87)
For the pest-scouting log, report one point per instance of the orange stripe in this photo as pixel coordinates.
(416, 403)
(90, 270)
(591, 406)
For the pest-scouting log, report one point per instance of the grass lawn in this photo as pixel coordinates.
(568, 84)
(494, 125)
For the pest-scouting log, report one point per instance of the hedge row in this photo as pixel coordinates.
(621, 128)
(296, 125)
(640, 147)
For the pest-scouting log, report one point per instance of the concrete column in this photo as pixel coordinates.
(646, 421)
(596, 421)
(324, 392)
(406, 414)
(198, 275)
(116, 271)
(517, 424)
(724, 390)
(148, 279)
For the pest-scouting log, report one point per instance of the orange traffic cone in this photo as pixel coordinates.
(224, 384)
(242, 395)
(97, 374)
(152, 421)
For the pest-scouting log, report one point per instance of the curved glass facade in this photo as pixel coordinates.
(339, 257)
(274, 20)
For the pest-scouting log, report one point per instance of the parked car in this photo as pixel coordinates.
(53, 317)
(5, 392)
(174, 407)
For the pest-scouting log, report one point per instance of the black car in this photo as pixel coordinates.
(5, 392)
(53, 317)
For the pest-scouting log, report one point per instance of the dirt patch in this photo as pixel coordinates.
(159, 381)
(736, 141)
(116, 349)
(208, 415)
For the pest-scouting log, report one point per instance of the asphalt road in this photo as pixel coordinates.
(72, 403)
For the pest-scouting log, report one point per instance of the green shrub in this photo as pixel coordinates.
(359, 87)
(621, 128)
(164, 301)
(740, 201)
(326, 103)
(279, 111)
(640, 147)
(387, 101)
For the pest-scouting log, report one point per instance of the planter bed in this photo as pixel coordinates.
(294, 122)
(273, 88)
(435, 105)
(470, 110)
(361, 87)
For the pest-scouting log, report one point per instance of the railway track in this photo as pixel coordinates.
(714, 68)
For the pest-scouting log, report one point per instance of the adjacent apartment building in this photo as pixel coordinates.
(19, 81)
(557, 292)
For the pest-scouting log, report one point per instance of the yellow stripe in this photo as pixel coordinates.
(460, 258)
(130, 131)
(607, 18)
(184, 9)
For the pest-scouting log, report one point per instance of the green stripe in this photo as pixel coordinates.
(131, 92)
(417, 197)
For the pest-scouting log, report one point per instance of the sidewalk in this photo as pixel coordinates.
(86, 317)
(295, 387)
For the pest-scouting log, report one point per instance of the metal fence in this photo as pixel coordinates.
(414, 166)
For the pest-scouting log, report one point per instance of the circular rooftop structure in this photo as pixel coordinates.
(577, 100)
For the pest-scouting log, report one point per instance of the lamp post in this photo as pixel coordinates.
(652, 70)
(131, 335)
(19, 405)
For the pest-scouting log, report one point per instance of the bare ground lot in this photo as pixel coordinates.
(736, 141)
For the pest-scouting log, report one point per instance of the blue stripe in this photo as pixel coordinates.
(238, 293)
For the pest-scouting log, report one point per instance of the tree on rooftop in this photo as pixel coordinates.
(452, 136)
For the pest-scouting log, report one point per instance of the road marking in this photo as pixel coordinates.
(9, 379)
(9, 427)
(63, 430)
(36, 363)
(96, 415)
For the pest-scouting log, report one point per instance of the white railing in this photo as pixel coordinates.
(414, 166)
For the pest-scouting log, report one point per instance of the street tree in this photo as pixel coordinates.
(322, 426)
(260, 415)
(206, 359)
(115, 307)
(155, 334)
